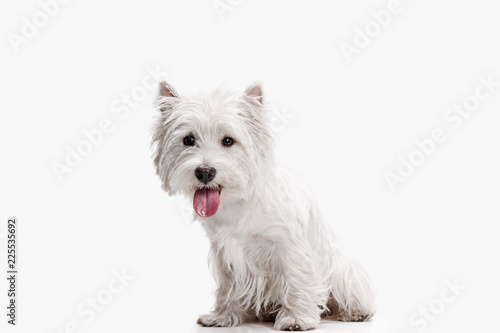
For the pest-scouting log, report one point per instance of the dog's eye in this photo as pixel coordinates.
(227, 141)
(189, 141)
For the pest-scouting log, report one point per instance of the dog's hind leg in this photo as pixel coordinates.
(351, 297)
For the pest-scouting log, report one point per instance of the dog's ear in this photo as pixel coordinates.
(166, 90)
(167, 97)
(254, 92)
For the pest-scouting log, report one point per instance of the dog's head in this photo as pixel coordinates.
(215, 148)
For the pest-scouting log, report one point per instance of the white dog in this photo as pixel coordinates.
(272, 255)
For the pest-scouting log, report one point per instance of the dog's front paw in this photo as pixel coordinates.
(217, 320)
(290, 323)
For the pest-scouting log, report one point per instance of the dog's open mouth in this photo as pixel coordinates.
(206, 201)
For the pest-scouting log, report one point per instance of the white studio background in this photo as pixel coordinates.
(342, 121)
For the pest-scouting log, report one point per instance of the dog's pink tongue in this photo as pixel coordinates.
(206, 202)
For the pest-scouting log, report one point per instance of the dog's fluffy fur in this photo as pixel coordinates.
(272, 255)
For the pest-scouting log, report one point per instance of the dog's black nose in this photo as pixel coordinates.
(205, 173)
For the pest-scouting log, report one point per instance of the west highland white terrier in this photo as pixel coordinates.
(272, 255)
